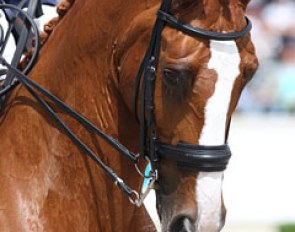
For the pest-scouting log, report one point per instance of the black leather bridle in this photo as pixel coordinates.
(187, 156)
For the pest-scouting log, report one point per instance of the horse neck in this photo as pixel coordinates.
(87, 35)
(75, 65)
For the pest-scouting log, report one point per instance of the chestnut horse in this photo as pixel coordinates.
(90, 61)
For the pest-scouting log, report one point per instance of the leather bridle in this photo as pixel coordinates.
(187, 156)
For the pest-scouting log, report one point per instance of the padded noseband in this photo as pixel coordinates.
(196, 157)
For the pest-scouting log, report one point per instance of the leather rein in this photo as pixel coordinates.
(188, 156)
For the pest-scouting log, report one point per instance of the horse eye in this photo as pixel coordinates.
(178, 83)
(175, 77)
(170, 76)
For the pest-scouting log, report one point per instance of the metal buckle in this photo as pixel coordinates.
(134, 198)
(152, 173)
(138, 199)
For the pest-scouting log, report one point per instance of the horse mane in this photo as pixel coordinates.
(62, 8)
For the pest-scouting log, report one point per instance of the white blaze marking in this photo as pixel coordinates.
(225, 60)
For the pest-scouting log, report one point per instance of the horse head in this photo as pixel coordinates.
(198, 83)
(199, 56)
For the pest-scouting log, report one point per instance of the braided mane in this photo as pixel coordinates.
(62, 9)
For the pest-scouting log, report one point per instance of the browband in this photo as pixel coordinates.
(196, 157)
(198, 32)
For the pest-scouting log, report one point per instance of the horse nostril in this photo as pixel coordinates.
(182, 224)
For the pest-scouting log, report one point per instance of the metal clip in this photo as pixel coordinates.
(150, 186)
(134, 198)
(152, 174)
(137, 199)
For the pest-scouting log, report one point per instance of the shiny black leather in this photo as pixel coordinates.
(196, 157)
(198, 32)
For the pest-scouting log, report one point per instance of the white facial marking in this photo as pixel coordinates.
(209, 201)
(225, 60)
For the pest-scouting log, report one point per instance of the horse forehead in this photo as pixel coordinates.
(224, 56)
(196, 51)
(179, 45)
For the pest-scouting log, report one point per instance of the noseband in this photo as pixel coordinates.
(187, 156)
